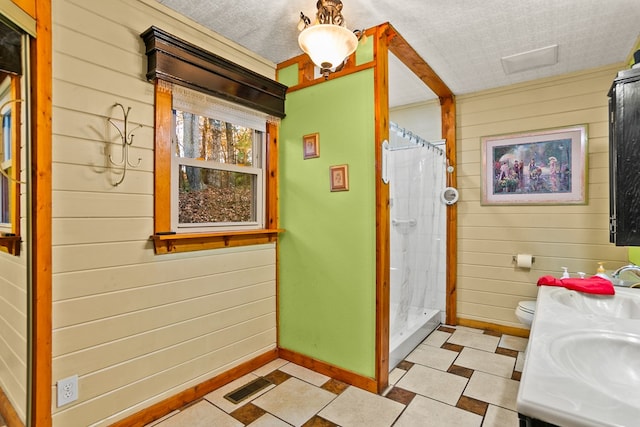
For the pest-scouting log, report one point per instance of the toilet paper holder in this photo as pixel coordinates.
(514, 259)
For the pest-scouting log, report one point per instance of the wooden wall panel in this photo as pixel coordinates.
(91, 359)
(85, 231)
(136, 327)
(88, 309)
(489, 285)
(78, 204)
(85, 282)
(86, 335)
(176, 379)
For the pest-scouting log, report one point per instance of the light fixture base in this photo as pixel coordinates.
(328, 43)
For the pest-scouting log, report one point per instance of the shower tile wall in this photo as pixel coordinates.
(403, 172)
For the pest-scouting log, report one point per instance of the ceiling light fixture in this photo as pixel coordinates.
(327, 42)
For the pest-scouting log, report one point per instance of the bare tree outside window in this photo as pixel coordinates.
(215, 188)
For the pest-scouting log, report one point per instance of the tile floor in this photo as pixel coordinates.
(456, 377)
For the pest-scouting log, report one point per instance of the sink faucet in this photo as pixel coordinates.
(631, 267)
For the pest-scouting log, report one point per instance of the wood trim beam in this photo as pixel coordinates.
(10, 244)
(271, 194)
(448, 111)
(329, 370)
(409, 57)
(41, 323)
(162, 157)
(383, 232)
(189, 242)
(178, 61)
(509, 330)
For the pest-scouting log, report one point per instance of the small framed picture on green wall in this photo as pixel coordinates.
(311, 146)
(339, 177)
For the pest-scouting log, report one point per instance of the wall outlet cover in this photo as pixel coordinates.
(67, 390)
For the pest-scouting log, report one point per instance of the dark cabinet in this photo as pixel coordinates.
(624, 159)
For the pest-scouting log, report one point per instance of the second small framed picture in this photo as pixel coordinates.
(339, 178)
(311, 146)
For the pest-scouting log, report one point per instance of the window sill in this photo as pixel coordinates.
(188, 242)
(10, 244)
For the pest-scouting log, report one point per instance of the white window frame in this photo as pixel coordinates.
(6, 165)
(204, 105)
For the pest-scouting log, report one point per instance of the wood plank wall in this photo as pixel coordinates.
(13, 324)
(136, 327)
(489, 287)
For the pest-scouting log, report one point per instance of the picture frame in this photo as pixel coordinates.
(311, 146)
(535, 168)
(339, 177)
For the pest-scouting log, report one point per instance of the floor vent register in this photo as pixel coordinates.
(249, 389)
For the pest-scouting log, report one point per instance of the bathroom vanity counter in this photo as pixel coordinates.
(582, 365)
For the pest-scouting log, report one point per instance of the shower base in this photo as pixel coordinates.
(423, 322)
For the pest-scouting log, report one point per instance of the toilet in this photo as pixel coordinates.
(525, 311)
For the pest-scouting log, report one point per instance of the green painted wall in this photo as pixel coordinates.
(289, 75)
(327, 253)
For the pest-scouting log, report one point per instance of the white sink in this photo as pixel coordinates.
(625, 306)
(582, 367)
(608, 362)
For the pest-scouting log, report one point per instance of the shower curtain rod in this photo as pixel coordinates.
(393, 127)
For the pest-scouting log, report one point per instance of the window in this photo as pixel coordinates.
(218, 153)
(6, 165)
(215, 173)
(13, 50)
(215, 181)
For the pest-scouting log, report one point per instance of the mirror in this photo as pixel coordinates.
(15, 359)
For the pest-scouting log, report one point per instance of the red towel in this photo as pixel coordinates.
(591, 285)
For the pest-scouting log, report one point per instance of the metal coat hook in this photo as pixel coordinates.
(127, 139)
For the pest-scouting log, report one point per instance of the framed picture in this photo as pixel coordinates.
(311, 146)
(339, 177)
(538, 167)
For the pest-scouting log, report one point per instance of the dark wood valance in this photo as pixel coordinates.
(180, 62)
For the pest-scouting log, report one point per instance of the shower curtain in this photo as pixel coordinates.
(416, 172)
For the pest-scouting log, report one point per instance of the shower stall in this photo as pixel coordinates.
(415, 170)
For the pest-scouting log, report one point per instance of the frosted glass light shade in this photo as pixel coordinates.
(327, 45)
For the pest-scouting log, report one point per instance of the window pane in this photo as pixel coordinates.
(5, 165)
(4, 200)
(211, 195)
(214, 140)
(6, 136)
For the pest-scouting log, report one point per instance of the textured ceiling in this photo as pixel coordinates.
(462, 40)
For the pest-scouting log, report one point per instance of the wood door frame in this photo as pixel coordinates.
(41, 264)
(387, 40)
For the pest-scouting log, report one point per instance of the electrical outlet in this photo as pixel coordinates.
(67, 390)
